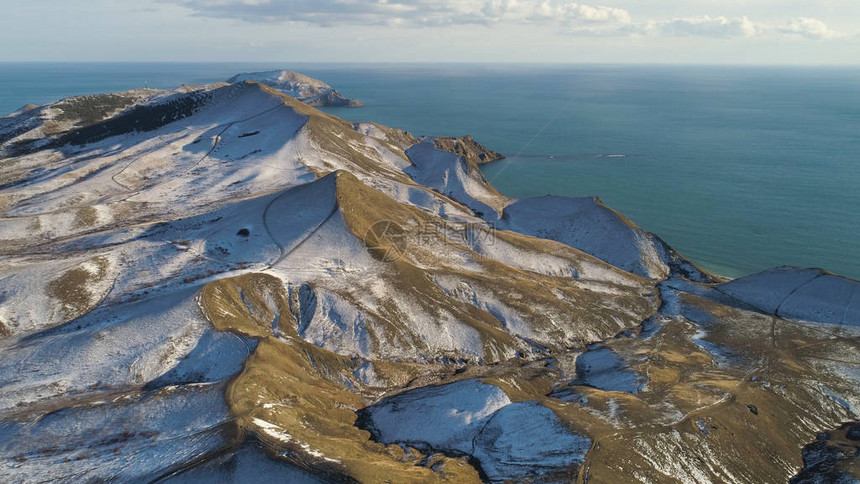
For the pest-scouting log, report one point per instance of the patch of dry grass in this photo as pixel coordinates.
(86, 216)
(73, 289)
(249, 304)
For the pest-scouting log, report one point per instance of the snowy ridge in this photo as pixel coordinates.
(313, 92)
(794, 293)
(448, 173)
(588, 225)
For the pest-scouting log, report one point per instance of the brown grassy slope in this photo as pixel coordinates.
(310, 392)
(537, 297)
(744, 422)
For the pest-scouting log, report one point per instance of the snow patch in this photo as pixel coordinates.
(511, 441)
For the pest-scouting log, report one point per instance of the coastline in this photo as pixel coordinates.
(726, 205)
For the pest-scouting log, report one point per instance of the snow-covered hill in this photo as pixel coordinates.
(221, 282)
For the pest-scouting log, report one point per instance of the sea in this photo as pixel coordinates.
(739, 168)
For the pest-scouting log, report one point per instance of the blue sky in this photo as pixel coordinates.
(649, 31)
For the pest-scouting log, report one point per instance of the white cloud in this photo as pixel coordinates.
(808, 27)
(407, 12)
(705, 26)
(564, 16)
(566, 12)
(715, 27)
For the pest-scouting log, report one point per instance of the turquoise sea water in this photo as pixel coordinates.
(740, 168)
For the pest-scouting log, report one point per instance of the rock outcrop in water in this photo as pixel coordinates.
(222, 282)
(470, 150)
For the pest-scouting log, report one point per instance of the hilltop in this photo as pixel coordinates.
(310, 91)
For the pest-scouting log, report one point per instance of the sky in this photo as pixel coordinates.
(543, 31)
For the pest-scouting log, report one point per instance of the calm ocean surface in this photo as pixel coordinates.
(739, 168)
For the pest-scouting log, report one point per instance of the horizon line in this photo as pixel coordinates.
(432, 63)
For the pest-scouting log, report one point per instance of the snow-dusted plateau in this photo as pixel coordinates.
(223, 284)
